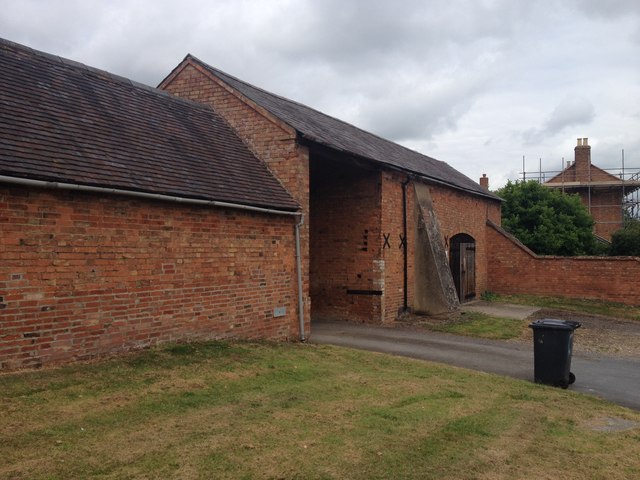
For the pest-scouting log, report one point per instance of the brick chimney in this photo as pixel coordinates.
(484, 181)
(583, 160)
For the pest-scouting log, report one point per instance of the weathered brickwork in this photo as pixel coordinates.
(515, 269)
(83, 275)
(460, 212)
(346, 268)
(605, 207)
(393, 249)
(268, 138)
(357, 256)
(354, 274)
(356, 240)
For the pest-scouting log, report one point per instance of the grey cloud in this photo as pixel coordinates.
(608, 153)
(614, 10)
(608, 8)
(378, 33)
(573, 110)
(421, 111)
(404, 71)
(427, 73)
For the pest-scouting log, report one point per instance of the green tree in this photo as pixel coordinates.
(626, 241)
(546, 220)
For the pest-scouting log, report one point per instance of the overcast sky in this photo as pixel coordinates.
(477, 84)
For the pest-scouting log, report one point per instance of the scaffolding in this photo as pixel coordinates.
(632, 200)
(619, 187)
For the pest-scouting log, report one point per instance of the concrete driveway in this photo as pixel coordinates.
(614, 379)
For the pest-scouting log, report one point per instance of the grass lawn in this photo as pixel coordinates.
(476, 324)
(258, 410)
(596, 307)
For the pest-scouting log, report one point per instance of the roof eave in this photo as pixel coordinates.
(65, 184)
(303, 138)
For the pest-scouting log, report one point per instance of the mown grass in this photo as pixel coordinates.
(596, 307)
(476, 324)
(256, 410)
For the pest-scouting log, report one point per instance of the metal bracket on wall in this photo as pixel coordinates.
(386, 240)
(403, 241)
(364, 292)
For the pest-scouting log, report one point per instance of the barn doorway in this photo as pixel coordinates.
(344, 228)
(462, 260)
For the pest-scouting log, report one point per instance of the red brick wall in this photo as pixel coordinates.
(352, 210)
(345, 242)
(347, 207)
(515, 269)
(606, 210)
(345, 210)
(268, 138)
(460, 212)
(393, 255)
(83, 275)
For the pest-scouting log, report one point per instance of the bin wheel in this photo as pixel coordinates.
(572, 378)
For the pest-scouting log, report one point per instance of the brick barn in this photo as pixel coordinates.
(209, 208)
(387, 229)
(129, 217)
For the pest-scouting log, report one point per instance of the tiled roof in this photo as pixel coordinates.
(592, 174)
(65, 122)
(336, 134)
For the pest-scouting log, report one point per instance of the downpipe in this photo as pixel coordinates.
(299, 270)
(405, 306)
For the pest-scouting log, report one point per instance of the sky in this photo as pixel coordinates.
(478, 84)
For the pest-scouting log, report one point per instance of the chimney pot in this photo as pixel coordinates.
(484, 181)
(579, 142)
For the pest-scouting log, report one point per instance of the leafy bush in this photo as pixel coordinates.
(626, 241)
(546, 220)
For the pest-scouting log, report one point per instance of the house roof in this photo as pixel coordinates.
(62, 121)
(595, 177)
(591, 173)
(331, 132)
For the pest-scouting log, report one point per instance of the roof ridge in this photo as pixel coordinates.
(218, 71)
(100, 73)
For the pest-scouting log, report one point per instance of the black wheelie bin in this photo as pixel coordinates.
(552, 348)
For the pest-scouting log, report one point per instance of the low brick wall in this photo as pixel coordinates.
(83, 275)
(514, 269)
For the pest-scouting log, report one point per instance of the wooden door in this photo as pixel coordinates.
(467, 271)
(462, 260)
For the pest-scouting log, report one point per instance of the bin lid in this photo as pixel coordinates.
(554, 324)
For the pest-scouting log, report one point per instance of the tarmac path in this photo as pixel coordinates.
(612, 378)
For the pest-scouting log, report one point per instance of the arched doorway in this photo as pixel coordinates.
(462, 260)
